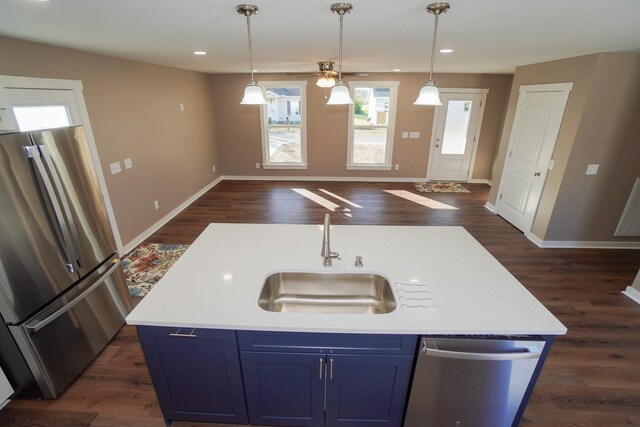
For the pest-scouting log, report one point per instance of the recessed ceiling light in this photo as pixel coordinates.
(199, 52)
(396, 69)
(446, 50)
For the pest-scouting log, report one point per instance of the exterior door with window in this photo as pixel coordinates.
(533, 139)
(457, 123)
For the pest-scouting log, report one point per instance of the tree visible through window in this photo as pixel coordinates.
(371, 127)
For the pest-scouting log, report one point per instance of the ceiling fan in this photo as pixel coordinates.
(327, 74)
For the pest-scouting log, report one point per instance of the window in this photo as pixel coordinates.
(284, 129)
(371, 124)
(41, 117)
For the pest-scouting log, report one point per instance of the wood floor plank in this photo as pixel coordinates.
(591, 376)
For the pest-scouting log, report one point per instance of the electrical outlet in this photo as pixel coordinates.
(397, 166)
(414, 135)
(405, 134)
(128, 164)
(115, 168)
(156, 205)
(257, 165)
(214, 169)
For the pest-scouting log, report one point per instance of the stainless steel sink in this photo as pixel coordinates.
(356, 293)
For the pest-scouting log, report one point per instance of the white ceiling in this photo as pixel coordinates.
(488, 36)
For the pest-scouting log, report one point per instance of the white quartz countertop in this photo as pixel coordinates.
(216, 283)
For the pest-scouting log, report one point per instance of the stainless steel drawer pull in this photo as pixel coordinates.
(178, 334)
(321, 366)
(330, 369)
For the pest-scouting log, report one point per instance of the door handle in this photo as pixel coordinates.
(321, 367)
(331, 368)
(180, 334)
(536, 173)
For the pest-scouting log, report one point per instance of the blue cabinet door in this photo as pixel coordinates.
(196, 373)
(366, 390)
(284, 389)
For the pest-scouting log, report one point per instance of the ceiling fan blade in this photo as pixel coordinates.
(309, 75)
(356, 74)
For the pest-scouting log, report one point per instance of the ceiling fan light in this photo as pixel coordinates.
(326, 82)
(253, 95)
(429, 95)
(339, 95)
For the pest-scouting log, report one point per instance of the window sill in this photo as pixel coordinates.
(369, 167)
(284, 166)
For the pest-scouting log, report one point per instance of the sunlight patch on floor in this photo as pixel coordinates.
(421, 200)
(318, 199)
(335, 196)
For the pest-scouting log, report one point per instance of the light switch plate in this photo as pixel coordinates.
(414, 135)
(128, 164)
(592, 169)
(405, 134)
(115, 168)
(552, 163)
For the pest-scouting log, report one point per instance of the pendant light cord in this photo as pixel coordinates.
(433, 47)
(340, 54)
(250, 46)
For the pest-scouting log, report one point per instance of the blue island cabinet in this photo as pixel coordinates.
(333, 380)
(196, 373)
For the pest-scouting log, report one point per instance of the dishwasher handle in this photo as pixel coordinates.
(521, 354)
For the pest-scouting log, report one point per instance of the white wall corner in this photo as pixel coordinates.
(535, 239)
(632, 293)
(155, 227)
(490, 207)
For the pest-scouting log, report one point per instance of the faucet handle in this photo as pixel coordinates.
(358, 262)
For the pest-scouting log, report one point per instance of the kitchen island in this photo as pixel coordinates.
(209, 300)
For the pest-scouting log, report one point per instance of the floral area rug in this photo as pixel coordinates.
(147, 263)
(440, 187)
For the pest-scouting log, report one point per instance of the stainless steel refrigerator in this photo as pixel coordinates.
(62, 290)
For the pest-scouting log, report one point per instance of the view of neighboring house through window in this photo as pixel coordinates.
(371, 126)
(283, 125)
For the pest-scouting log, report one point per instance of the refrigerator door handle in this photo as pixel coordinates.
(518, 354)
(44, 322)
(65, 203)
(33, 153)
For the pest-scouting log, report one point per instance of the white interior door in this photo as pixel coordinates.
(455, 136)
(533, 138)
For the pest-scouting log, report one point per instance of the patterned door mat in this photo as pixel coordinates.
(440, 187)
(147, 263)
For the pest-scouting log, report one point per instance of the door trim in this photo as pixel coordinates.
(17, 82)
(474, 147)
(565, 88)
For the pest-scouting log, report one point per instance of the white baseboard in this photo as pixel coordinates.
(568, 244)
(490, 207)
(632, 293)
(155, 227)
(5, 403)
(320, 178)
(480, 181)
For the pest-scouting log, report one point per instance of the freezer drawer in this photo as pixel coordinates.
(61, 340)
(471, 382)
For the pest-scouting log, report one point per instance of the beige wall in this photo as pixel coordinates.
(597, 128)
(238, 128)
(134, 112)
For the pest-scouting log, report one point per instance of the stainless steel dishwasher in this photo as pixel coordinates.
(471, 382)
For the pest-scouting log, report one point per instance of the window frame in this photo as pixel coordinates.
(264, 125)
(391, 125)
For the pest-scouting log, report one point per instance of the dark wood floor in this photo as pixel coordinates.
(591, 378)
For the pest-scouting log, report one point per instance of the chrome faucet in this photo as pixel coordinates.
(326, 253)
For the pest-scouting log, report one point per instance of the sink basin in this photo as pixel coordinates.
(355, 293)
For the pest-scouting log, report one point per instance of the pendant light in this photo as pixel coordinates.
(252, 93)
(429, 94)
(340, 92)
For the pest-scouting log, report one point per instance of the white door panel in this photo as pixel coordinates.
(533, 138)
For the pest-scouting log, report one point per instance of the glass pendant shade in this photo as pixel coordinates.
(339, 95)
(429, 95)
(253, 95)
(326, 82)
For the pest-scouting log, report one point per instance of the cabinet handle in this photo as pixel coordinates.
(321, 366)
(330, 369)
(178, 334)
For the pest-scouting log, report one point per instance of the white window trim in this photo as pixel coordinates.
(391, 125)
(17, 82)
(264, 126)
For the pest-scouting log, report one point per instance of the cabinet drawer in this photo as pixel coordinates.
(302, 342)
